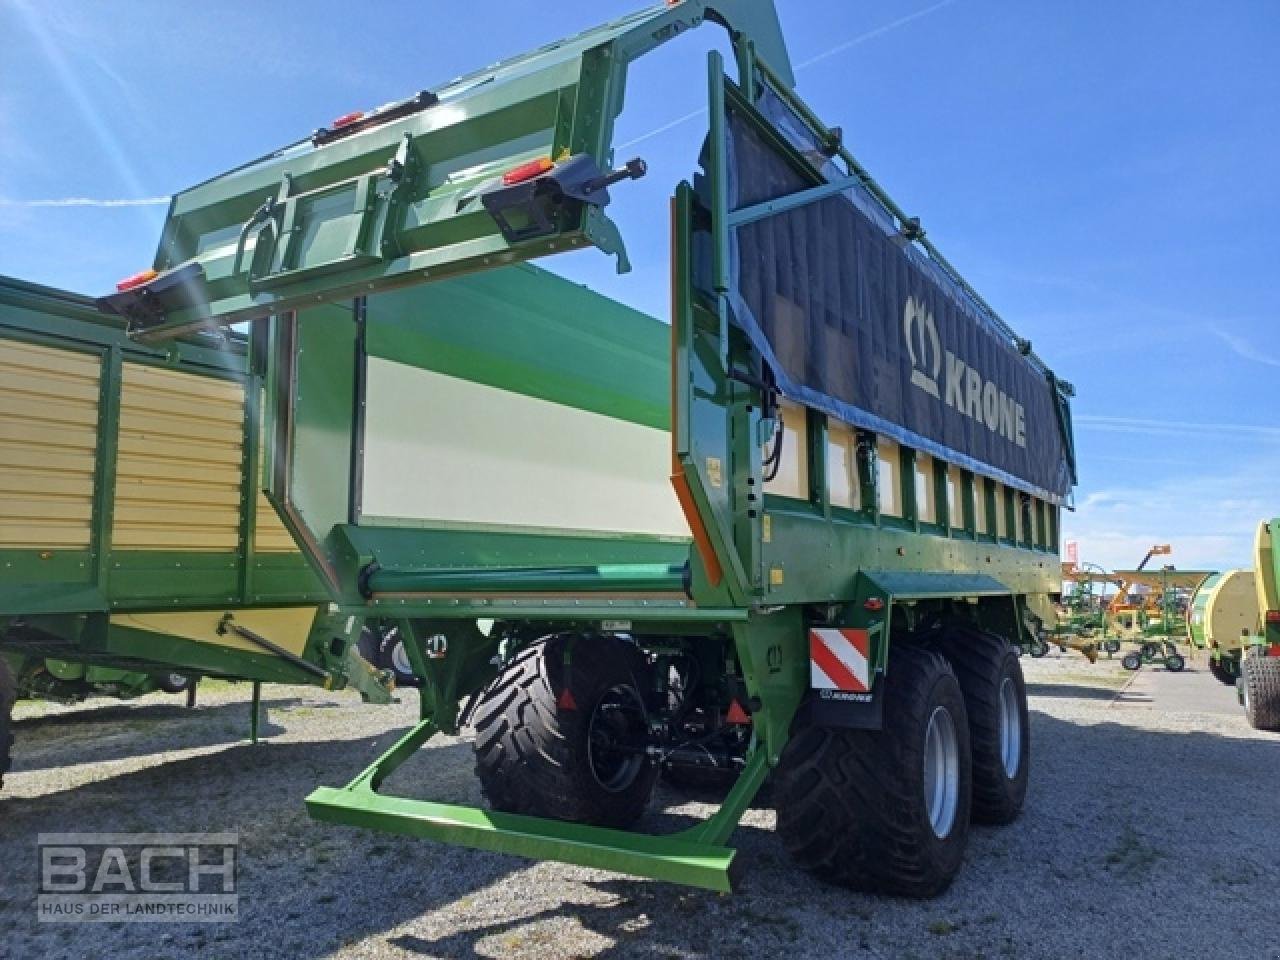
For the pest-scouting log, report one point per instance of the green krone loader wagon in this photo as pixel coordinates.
(793, 533)
(137, 551)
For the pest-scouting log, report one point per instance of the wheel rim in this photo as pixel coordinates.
(1010, 728)
(400, 659)
(941, 772)
(617, 725)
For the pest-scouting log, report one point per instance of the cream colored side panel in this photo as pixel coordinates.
(955, 508)
(48, 446)
(286, 627)
(792, 478)
(443, 449)
(844, 488)
(926, 490)
(889, 477)
(178, 472)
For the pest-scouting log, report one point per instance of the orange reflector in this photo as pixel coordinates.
(565, 701)
(527, 171)
(347, 119)
(137, 280)
(737, 715)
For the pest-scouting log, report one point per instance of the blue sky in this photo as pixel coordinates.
(1104, 173)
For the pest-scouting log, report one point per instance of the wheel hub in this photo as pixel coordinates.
(615, 738)
(1010, 728)
(941, 772)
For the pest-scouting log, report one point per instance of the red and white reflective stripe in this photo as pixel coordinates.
(838, 660)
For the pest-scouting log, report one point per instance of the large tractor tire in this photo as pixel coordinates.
(1224, 671)
(566, 740)
(884, 811)
(8, 696)
(384, 650)
(995, 699)
(1260, 681)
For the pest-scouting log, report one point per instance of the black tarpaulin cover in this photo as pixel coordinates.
(859, 323)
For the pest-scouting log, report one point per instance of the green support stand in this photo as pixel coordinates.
(696, 857)
(256, 714)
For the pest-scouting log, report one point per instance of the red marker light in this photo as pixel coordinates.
(1273, 616)
(527, 171)
(137, 280)
(347, 119)
(873, 604)
(736, 715)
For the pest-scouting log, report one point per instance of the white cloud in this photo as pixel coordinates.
(1210, 516)
(1244, 348)
(86, 202)
(1174, 427)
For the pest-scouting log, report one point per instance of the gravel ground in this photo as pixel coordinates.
(1150, 832)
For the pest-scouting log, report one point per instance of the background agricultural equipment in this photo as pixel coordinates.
(1259, 683)
(868, 464)
(137, 551)
(1081, 617)
(1150, 610)
(1223, 620)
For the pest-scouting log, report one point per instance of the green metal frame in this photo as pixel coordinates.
(398, 204)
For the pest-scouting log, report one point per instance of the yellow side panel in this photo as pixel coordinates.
(286, 627)
(48, 446)
(270, 535)
(178, 471)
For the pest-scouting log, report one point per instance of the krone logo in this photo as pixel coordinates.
(918, 329)
(965, 389)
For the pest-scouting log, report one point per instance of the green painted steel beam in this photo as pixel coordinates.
(668, 858)
(582, 609)
(604, 578)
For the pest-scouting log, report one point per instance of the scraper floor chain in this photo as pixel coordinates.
(562, 733)
(884, 811)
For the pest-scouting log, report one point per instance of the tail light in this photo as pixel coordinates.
(527, 171)
(347, 119)
(137, 280)
(1273, 616)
